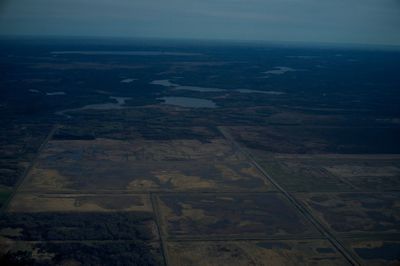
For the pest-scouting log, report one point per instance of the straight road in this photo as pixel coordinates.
(292, 199)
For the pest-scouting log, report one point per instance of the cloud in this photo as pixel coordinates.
(363, 21)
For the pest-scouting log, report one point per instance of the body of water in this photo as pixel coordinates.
(55, 93)
(280, 70)
(263, 92)
(135, 53)
(175, 86)
(201, 89)
(164, 82)
(189, 102)
(120, 102)
(127, 80)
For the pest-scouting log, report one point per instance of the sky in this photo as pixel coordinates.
(308, 21)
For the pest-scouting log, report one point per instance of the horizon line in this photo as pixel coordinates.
(287, 43)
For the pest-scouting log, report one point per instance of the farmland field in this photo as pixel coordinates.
(198, 154)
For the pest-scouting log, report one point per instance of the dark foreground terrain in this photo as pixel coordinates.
(167, 153)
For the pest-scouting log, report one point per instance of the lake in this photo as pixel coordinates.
(189, 102)
(120, 102)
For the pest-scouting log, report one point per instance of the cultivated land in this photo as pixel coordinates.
(288, 178)
(255, 252)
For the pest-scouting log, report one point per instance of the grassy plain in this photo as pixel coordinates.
(106, 165)
(375, 252)
(243, 215)
(353, 213)
(257, 253)
(309, 176)
(24, 202)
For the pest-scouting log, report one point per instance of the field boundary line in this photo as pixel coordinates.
(157, 219)
(22, 178)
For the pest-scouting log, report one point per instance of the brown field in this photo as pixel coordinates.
(316, 139)
(303, 175)
(99, 166)
(332, 172)
(371, 175)
(92, 175)
(80, 203)
(105, 164)
(241, 215)
(376, 252)
(350, 213)
(139, 150)
(257, 253)
(277, 139)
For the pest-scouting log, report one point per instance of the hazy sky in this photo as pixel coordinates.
(340, 21)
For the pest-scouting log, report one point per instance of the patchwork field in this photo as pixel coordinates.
(198, 153)
(202, 202)
(300, 139)
(107, 165)
(303, 175)
(107, 186)
(352, 213)
(138, 150)
(375, 252)
(24, 202)
(244, 215)
(379, 174)
(260, 253)
(334, 172)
